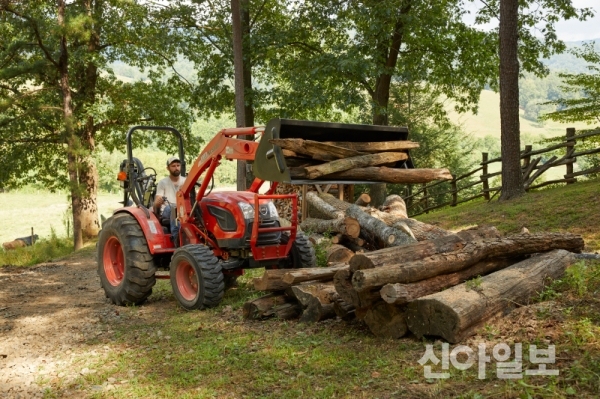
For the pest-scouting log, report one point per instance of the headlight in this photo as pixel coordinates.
(272, 209)
(247, 210)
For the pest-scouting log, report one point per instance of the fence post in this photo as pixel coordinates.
(425, 198)
(570, 147)
(484, 176)
(454, 191)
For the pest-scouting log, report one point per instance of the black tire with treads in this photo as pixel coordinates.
(125, 265)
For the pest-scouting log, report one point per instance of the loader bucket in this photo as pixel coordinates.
(270, 164)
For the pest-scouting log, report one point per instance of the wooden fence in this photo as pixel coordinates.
(465, 188)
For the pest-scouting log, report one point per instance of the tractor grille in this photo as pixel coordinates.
(265, 238)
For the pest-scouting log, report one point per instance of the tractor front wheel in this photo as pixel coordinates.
(125, 264)
(302, 253)
(196, 277)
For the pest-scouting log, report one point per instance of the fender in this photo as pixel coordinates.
(158, 241)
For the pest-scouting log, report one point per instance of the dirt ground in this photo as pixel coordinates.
(47, 314)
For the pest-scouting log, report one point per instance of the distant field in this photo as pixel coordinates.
(487, 121)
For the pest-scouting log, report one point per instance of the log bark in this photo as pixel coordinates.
(421, 231)
(297, 276)
(376, 146)
(392, 175)
(388, 236)
(269, 306)
(361, 161)
(421, 250)
(363, 199)
(470, 254)
(316, 300)
(395, 205)
(386, 321)
(360, 300)
(323, 208)
(458, 312)
(346, 225)
(338, 253)
(318, 239)
(400, 294)
(316, 149)
(271, 280)
(344, 310)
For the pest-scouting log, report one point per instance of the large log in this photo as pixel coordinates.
(400, 294)
(316, 300)
(420, 250)
(363, 200)
(361, 161)
(344, 310)
(271, 305)
(395, 205)
(386, 321)
(297, 276)
(271, 280)
(342, 281)
(338, 253)
(391, 175)
(472, 253)
(316, 149)
(458, 312)
(376, 146)
(324, 209)
(347, 225)
(389, 236)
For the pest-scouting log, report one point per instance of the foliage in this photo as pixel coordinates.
(584, 103)
(44, 250)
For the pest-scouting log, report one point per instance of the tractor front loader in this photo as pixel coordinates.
(221, 233)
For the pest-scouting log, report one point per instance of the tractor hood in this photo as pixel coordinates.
(270, 164)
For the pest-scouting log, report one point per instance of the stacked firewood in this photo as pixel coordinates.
(369, 161)
(432, 287)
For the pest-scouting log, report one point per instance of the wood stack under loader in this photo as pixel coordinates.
(430, 287)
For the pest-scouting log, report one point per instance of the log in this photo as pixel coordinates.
(316, 149)
(400, 294)
(344, 310)
(361, 161)
(363, 200)
(271, 281)
(386, 321)
(422, 231)
(391, 175)
(395, 205)
(342, 281)
(388, 236)
(318, 239)
(338, 253)
(346, 225)
(472, 253)
(420, 250)
(271, 305)
(316, 300)
(376, 146)
(323, 208)
(297, 276)
(458, 312)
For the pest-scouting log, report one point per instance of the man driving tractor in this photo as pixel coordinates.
(166, 195)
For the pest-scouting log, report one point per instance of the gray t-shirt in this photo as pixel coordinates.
(167, 188)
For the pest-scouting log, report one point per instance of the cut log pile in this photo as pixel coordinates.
(445, 284)
(370, 161)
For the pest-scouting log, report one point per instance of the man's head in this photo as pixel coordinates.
(174, 166)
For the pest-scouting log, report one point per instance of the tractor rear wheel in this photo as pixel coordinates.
(301, 255)
(125, 264)
(196, 277)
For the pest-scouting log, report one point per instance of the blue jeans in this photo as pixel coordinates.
(174, 225)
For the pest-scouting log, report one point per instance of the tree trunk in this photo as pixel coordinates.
(386, 321)
(271, 280)
(316, 300)
(388, 236)
(420, 250)
(400, 294)
(361, 161)
(512, 179)
(370, 147)
(293, 277)
(391, 175)
(377, 191)
(238, 64)
(458, 312)
(315, 149)
(470, 254)
(348, 226)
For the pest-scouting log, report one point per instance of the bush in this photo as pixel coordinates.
(44, 250)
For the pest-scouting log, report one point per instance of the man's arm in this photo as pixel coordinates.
(159, 197)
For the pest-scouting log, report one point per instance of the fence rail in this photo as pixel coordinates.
(461, 188)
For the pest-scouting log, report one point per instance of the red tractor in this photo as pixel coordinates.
(221, 233)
